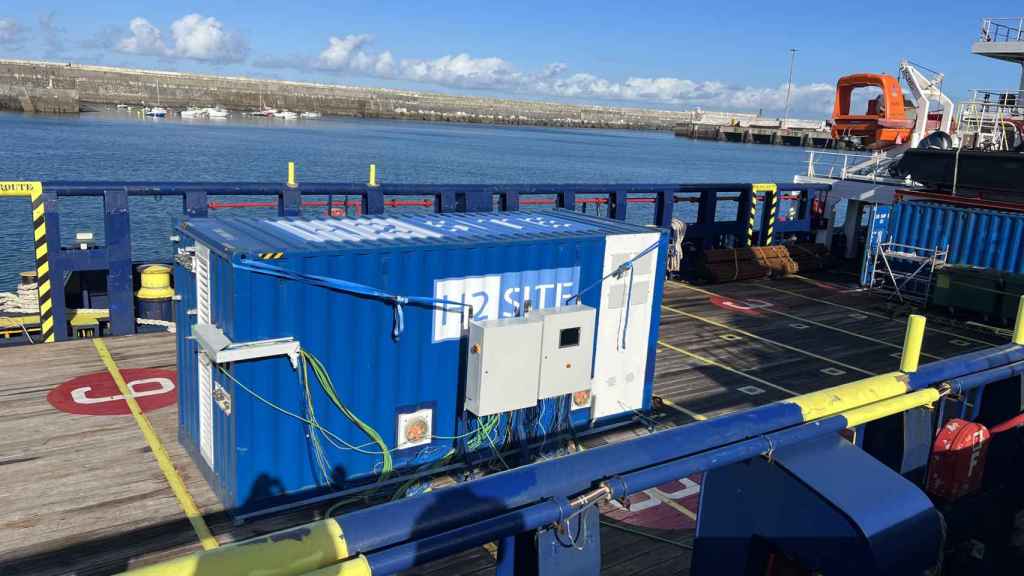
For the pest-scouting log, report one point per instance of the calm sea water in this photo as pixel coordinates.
(115, 146)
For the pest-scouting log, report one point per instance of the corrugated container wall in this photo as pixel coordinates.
(974, 237)
(248, 437)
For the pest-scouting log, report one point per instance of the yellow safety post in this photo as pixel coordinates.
(1018, 329)
(912, 343)
(291, 175)
(373, 176)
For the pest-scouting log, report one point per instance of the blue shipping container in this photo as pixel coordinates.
(973, 236)
(241, 420)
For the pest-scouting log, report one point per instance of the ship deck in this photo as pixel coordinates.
(84, 494)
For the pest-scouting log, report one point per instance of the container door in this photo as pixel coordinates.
(624, 325)
(878, 230)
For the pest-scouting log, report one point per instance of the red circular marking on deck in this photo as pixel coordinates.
(647, 509)
(96, 394)
(751, 307)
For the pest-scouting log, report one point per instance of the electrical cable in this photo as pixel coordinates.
(618, 272)
(398, 302)
(327, 433)
(387, 464)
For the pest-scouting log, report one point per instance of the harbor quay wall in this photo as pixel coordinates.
(42, 100)
(101, 85)
(805, 134)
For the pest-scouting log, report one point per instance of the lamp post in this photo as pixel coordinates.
(789, 87)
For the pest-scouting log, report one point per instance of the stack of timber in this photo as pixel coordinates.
(731, 264)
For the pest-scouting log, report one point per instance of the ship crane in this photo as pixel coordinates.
(925, 91)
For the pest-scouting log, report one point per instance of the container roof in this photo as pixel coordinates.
(246, 235)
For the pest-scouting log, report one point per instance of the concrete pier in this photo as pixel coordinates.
(806, 134)
(107, 86)
(41, 100)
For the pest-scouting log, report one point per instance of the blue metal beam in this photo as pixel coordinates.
(434, 512)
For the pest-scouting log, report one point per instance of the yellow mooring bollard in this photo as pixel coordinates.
(912, 343)
(1018, 328)
(291, 175)
(373, 176)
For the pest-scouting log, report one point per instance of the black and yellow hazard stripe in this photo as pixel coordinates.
(271, 255)
(42, 264)
(34, 191)
(750, 225)
(770, 191)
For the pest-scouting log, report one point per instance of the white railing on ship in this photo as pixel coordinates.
(982, 120)
(838, 165)
(1002, 29)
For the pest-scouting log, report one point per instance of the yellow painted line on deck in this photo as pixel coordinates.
(188, 506)
(869, 313)
(678, 408)
(768, 340)
(807, 320)
(673, 504)
(711, 362)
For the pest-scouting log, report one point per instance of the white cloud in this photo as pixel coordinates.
(11, 33)
(204, 38)
(349, 53)
(146, 39)
(201, 38)
(814, 98)
(463, 70)
(353, 54)
(193, 37)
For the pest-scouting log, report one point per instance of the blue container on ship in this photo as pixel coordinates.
(974, 236)
(400, 370)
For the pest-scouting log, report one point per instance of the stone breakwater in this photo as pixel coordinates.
(63, 87)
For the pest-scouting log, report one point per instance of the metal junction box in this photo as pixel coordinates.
(567, 350)
(503, 365)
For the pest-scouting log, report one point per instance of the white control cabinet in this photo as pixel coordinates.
(514, 362)
(567, 353)
(503, 364)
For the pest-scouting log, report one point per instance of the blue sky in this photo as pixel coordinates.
(679, 55)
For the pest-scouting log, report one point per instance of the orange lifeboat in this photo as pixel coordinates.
(884, 124)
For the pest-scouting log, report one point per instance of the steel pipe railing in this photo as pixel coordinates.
(458, 511)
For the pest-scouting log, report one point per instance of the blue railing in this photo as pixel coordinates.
(115, 256)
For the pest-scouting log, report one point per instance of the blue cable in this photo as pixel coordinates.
(618, 272)
(396, 301)
(629, 302)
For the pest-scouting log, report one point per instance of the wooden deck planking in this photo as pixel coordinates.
(83, 493)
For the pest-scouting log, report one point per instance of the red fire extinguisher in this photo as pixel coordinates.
(958, 459)
(818, 219)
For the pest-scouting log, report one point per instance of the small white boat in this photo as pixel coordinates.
(286, 115)
(155, 112)
(123, 107)
(217, 113)
(310, 115)
(193, 113)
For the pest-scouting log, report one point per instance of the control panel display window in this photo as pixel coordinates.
(569, 337)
